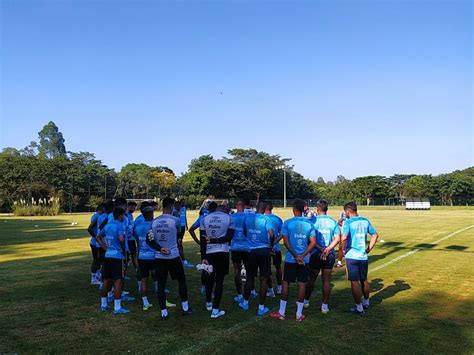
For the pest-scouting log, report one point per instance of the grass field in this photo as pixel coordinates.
(422, 296)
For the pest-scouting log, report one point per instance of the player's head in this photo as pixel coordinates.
(212, 207)
(118, 213)
(182, 202)
(154, 204)
(177, 205)
(240, 205)
(222, 208)
(351, 209)
(322, 206)
(143, 205)
(261, 205)
(269, 207)
(246, 202)
(131, 206)
(168, 204)
(298, 206)
(109, 206)
(305, 207)
(147, 210)
(100, 208)
(120, 202)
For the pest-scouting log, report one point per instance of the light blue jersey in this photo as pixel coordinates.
(125, 226)
(277, 225)
(258, 226)
(141, 233)
(356, 229)
(298, 230)
(182, 217)
(104, 216)
(138, 220)
(130, 223)
(112, 231)
(326, 228)
(239, 241)
(95, 219)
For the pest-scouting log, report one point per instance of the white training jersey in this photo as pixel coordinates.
(165, 233)
(215, 225)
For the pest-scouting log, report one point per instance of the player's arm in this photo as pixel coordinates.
(373, 240)
(152, 243)
(104, 223)
(203, 246)
(193, 234)
(225, 239)
(311, 245)
(289, 247)
(91, 227)
(99, 237)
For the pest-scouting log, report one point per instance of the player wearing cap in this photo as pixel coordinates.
(113, 271)
(276, 252)
(260, 236)
(300, 238)
(328, 235)
(354, 241)
(217, 231)
(163, 239)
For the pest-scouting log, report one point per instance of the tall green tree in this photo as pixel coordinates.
(51, 141)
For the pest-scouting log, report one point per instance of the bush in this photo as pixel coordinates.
(42, 207)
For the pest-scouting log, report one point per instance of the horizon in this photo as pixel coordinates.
(284, 78)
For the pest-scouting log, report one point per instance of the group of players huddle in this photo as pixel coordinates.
(250, 238)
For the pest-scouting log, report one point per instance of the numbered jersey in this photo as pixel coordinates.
(298, 230)
(215, 225)
(164, 231)
(356, 229)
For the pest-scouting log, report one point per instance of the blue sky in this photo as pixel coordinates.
(342, 87)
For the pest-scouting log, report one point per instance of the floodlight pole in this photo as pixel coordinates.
(284, 186)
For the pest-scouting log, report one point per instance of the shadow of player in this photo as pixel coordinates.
(389, 291)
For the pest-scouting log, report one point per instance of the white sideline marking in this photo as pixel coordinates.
(411, 252)
(242, 325)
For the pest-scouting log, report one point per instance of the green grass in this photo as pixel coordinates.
(423, 303)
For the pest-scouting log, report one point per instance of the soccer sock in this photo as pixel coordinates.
(164, 312)
(261, 307)
(279, 288)
(103, 301)
(145, 301)
(110, 294)
(359, 307)
(92, 277)
(117, 304)
(246, 301)
(325, 306)
(185, 305)
(365, 301)
(306, 301)
(299, 309)
(282, 307)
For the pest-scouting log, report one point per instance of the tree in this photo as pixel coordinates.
(420, 186)
(370, 187)
(51, 141)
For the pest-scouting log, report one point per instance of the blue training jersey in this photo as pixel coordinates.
(138, 220)
(258, 226)
(112, 231)
(298, 230)
(125, 226)
(277, 223)
(356, 229)
(182, 217)
(141, 233)
(130, 223)
(93, 242)
(326, 228)
(239, 240)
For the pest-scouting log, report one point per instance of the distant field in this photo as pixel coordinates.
(421, 281)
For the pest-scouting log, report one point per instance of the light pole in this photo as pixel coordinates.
(284, 186)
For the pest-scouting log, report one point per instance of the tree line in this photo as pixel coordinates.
(45, 171)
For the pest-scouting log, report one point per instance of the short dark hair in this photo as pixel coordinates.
(269, 206)
(143, 205)
(118, 211)
(246, 201)
(168, 202)
(261, 206)
(351, 206)
(212, 207)
(100, 207)
(109, 206)
(119, 201)
(299, 204)
(131, 204)
(322, 205)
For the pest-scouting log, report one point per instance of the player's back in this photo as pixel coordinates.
(257, 226)
(298, 230)
(141, 233)
(326, 227)
(239, 241)
(165, 231)
(216, 226)
(356, 229)
(113, 231)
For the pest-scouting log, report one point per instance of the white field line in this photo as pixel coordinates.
(253, 320)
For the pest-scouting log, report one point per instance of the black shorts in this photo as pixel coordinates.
(259, 260)
(219, 262)
(295, 272)
(317, 264)
(174, 267)
(146, 267)
(95, 253)
(357, 270)
(132, 246)
(277, 258)
(240, 257)
(113, 269)
(101, 255)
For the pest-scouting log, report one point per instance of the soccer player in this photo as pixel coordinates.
(132, 243)
(93, 229)
(247, 207)
(146, 255)
(340, 250)
(113, 270)
(184, 227)
(260, 236)
(239, 248)
(309, 213)
(218, 229)
(354, 242)
(299, 237)
(276, 252)
(328, 235)
(163, 239)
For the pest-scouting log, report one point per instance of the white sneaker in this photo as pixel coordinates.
(324, 309)
(306, 304)
(218, 314)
